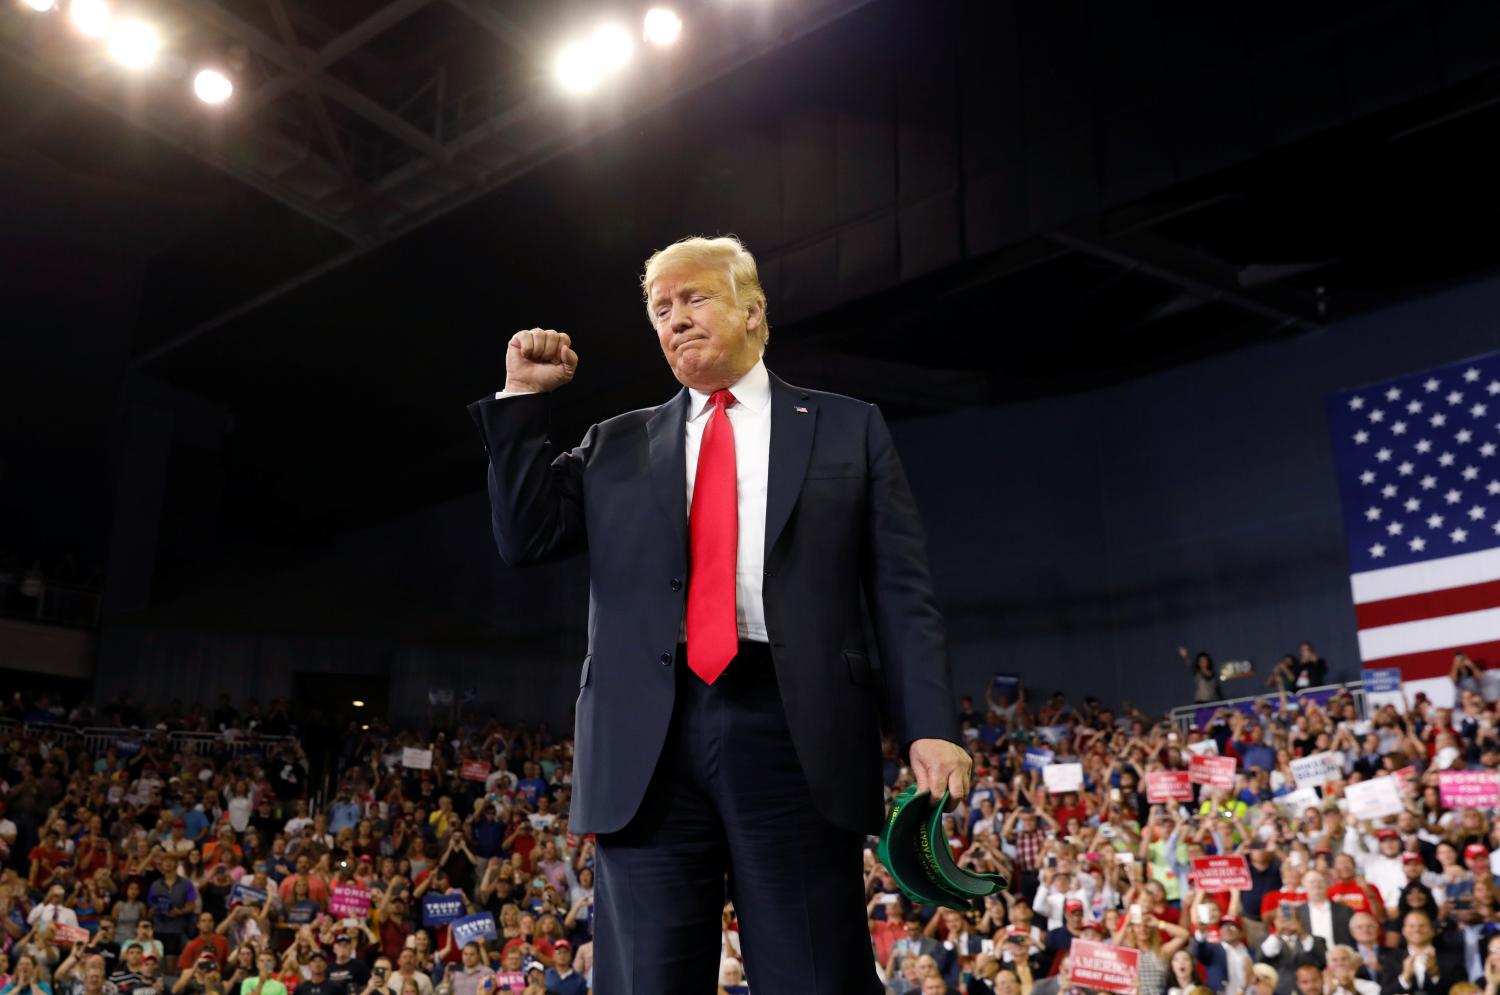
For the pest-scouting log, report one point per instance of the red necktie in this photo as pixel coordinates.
(713, 637)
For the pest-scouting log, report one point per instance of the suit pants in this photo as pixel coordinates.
(728, 797)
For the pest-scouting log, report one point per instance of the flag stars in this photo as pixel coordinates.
(1424, 446)
(1405, 469)
(1479, 410)
(1382, 455)
(1453, 497)
(1471, 375)
(1488, 449)
(1394, 394)
(1398, 428)
(1430, 385)
(1476, 513)
(1496, 526)
(1438, 420)
(1493, 487)
(1377, 550)
(1413, 407)
(1459, 535)
(1368, 477)
(1455, 397)
(1388, 491)
(1361, 437)
(1418, 544)
(1445, 459)
(1372, 513)
(1434, 521)
(1429, 482)
(1412, 504)
(1377, 416)
(1394, 528)
(1356, 403)
(1493, 388)
(1463, 436)
(1470, 472)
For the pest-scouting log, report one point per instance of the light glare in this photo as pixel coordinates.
(134, 44)
(662, 26)
(577, 69)
(90, 17)
(611, 46)
(212, 87)
(40, 6)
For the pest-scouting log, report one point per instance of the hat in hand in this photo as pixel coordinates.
(915, 850)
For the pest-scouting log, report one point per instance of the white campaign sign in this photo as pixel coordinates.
(1318, 769)
(1062, 777)
(416, 759)
(1204, 748)
(1375, 798)
(1294, 803)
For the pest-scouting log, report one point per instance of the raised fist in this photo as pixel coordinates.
(539, 360)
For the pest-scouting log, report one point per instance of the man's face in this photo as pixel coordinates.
(1416, 930)
(407, 959)
(1365, 928)
(1309, 980)
(1343, 868)
(709, 338)
(471, 956)
(1316, 887)
(934, 986)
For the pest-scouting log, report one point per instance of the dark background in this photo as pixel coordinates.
(1099, 262)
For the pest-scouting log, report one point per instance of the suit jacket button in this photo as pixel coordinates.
(666, 659)
(676, 583)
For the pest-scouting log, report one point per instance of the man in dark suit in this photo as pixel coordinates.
(1322, 917)
(1290, 946)
(1425, 968)
(737, 536)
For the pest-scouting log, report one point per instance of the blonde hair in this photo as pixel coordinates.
(727, 252)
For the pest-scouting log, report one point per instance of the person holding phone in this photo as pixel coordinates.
(380, 978)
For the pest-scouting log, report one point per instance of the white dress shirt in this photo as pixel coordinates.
(750, 417)
(1320, 921)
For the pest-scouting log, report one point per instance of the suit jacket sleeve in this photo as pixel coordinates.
(903, 607)
(536, 495)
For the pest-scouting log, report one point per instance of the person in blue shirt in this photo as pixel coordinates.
(532, 787)
(560, 978)
(26, 980)
(345, 813)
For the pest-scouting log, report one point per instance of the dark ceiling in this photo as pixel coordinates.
(1019, 204)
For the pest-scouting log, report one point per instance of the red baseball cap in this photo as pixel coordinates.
(1411, 858)
(1476, 850)
(1072, 905)
(1388, 834)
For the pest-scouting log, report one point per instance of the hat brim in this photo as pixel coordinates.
(915, 850)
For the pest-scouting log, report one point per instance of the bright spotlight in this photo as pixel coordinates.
(213, 87)
(662, 26)
(577, 69)
(40, 6)
(611, 46)
(90, 17)
(358, 704)
(134, 44)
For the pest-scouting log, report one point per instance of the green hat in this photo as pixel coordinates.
(915, 850)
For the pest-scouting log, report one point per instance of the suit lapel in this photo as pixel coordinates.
(667, 455)
(793, 418)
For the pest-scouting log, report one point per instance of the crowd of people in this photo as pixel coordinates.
(442, 862)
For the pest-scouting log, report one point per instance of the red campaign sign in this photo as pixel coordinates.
(1216, 772)
(1168, 786)
(67, 933)
(1220, 873)
(1468, 789)
(1105, 968)
(474, 770)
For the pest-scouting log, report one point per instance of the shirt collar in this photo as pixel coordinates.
(752, 391)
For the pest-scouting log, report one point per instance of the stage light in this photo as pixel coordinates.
(611, 46)
(577, 69)
(662, 26)
(365, 727)
(90, 17)
(41, 6)
(358, 704)
(134, 44)
(213, 87)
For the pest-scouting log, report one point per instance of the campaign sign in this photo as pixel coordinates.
(1062, 777)
(1295, 803)
(1204, 748)
(1037, 758)
(1216, 772)
(348, 902)
(1168, 786)
(1382, 680)
(478, 927)
(1052, 735)
(68, 933)
(474, 770)
(244, 894)
(1318, 769)
(1374, 799)
(440, 909)
(416, 759)
(1104, 967)
(1007, 684)
(1220, 873)
(1468, 789)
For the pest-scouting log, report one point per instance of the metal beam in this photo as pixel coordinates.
(222, 20)
(1200, 275)
(371, 27)
(503, 28)
(183, 140)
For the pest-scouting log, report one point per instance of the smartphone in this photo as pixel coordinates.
(1051, 863)
(1205, 914)
(1284, 910)
(1137, 915)
(1114, 794)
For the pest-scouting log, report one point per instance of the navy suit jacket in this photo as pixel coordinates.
(843, 539)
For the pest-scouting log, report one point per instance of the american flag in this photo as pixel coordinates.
(1418, 461)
